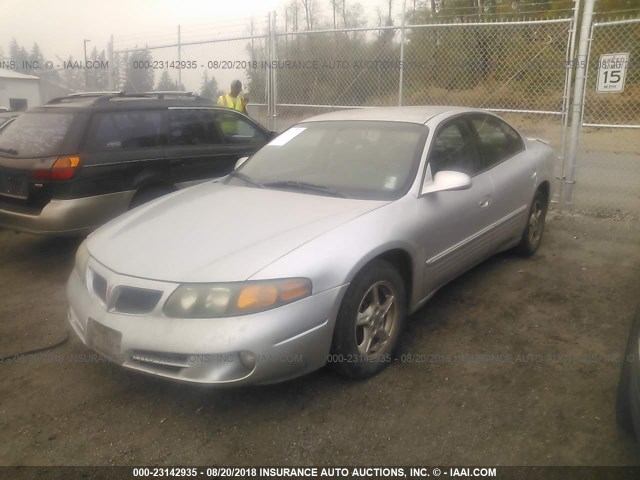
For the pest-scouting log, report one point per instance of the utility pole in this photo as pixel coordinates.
(86, 73)
(111, 70)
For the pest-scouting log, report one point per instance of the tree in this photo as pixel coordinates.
(102, 74)
(119, 70)
(165, 83)
(294, 15)
(35, 58)
(91, 73)
(309, 13)
(73, 78)
(210, 87)
(139, 78)
(18, 55)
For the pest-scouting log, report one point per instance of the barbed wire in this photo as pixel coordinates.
(218, 30)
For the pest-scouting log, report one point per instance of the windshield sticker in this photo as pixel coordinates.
(286, 136)
(390, 183)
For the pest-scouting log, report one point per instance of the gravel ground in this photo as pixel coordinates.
(515, 363)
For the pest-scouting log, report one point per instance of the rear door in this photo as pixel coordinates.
(504, 157)
(122, 148)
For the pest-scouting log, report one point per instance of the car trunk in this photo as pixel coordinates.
(29, 148)
(18, 190)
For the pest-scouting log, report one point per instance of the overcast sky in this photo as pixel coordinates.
(59, 27)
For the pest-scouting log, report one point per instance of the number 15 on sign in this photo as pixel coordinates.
(612, 69)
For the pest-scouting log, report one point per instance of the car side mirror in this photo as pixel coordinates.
(272, 135)
(448, 180)
(240, 162)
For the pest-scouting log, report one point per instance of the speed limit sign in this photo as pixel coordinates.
(611, 72)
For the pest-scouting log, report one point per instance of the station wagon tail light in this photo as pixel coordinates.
(234, 299)
(64, 168)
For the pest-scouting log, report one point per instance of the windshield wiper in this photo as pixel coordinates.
(10, 151)
(246, 178)
(305, 186)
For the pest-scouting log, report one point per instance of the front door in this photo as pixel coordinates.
(196, 149)
(455, 221)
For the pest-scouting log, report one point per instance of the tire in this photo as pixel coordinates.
(149, 193)
(365, 336)
(627, 399)
(532, 235)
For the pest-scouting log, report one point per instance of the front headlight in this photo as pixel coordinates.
(233, 299)
(82, 258)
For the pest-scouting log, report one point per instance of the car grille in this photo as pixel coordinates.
(123, 298)
(135, 301)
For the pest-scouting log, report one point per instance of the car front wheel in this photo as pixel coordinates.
(370, 321)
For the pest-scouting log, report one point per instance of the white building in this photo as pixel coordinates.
(18, 91)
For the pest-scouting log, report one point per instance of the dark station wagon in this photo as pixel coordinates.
(71, 165)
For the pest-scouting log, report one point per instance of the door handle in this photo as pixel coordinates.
(485, 202)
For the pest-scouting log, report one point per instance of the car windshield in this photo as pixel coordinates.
(354, 159)
(40, 135)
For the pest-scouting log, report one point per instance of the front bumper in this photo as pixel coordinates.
(77, 216)
(286, 342)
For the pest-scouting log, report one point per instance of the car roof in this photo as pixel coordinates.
(419, 114)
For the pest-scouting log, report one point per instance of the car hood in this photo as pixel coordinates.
(216, 232)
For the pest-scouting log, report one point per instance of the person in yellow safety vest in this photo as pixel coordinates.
(233, 99)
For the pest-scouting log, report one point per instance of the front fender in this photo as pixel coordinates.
(334, 258)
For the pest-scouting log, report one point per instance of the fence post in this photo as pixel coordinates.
(402, 34)
(110, 72)
(578, 102)
(268, 73)
(271, 74)
(179, 61)
(566, 98)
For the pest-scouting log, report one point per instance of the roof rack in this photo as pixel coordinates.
(170, 93)
(102, 97)
(92, 94)
(159, 95)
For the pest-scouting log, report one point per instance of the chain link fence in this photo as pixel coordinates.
(520, 69)
(507, 66)
(329, 70)
(608, 171)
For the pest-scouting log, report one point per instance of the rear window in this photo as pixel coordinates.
(42, 134)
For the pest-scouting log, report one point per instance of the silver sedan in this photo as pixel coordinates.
(314, 250)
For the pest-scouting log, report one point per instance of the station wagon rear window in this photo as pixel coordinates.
(41, 134)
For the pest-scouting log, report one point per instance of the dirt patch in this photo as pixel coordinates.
(515, 363)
